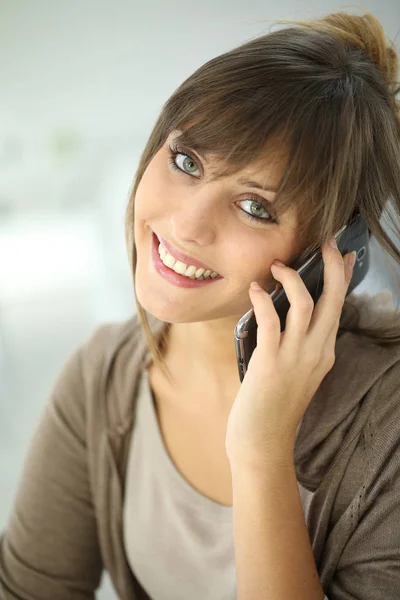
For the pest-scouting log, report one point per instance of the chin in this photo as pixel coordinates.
(161, 308)
(171, 311)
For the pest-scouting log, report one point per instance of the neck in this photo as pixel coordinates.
(203, 355)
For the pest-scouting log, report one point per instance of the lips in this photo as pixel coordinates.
(188, 260)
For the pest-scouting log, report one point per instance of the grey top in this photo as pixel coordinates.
(179, 542)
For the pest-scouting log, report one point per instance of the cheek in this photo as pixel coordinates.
(255, 264)
(153, 194)
(251, 261)
(145, 202)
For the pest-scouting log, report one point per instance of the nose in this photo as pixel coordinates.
(196, 218)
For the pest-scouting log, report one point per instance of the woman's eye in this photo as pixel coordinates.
(186, 169)
(187, 163)
(260, 207)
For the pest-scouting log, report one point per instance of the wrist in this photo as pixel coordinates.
(280, 456)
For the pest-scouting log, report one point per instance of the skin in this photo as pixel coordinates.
(273, 555)
(204, 219)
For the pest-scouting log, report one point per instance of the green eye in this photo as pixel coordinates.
(263, 204)
(174, 153)
(261, 207)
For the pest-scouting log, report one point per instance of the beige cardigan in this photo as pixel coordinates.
(66, 524)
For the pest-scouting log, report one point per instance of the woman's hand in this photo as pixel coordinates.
(286, 369)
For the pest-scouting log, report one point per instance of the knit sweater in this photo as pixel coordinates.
(66, 526)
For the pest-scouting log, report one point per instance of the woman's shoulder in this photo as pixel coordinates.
(373, 307)
(107, 364)
(94, 354)
(109, 337)
(109, 334)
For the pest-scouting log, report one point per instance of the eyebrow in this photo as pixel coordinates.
(254, 184)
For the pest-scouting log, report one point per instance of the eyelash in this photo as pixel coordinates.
(181, 150)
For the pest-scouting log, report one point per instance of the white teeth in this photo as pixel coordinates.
(179, 267)
(168, 260)
(190, 272)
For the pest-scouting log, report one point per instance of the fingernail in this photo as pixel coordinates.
(332, 242)
(352, 259)
(278, 263)
(255, 286)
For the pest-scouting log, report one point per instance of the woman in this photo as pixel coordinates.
(151, 460)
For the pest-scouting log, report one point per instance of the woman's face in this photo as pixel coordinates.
(206, 220)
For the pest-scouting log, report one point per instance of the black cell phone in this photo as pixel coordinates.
(353, 236)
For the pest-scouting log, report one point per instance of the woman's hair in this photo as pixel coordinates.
(325, 92)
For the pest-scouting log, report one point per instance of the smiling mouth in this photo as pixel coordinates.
(173, 276)
(187, 270)
(181, 263)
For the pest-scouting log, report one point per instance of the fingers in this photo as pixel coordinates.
(301, 306)
(318, 321)
(350, 260)
(337, 277)
(268, 323)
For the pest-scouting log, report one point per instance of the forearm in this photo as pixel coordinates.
(273, 555)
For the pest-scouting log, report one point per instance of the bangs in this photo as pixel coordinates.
(266, 109)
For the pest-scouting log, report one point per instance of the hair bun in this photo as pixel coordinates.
(367, 33)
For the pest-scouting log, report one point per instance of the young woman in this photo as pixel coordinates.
(151, 460)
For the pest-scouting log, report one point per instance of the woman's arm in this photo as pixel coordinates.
(271, 539)
(49, 549)
(273, 554)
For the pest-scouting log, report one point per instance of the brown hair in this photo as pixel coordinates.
(326, 89)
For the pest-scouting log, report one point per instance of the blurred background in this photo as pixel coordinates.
(82, 83)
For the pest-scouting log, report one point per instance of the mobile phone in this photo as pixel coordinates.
(353, 236)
